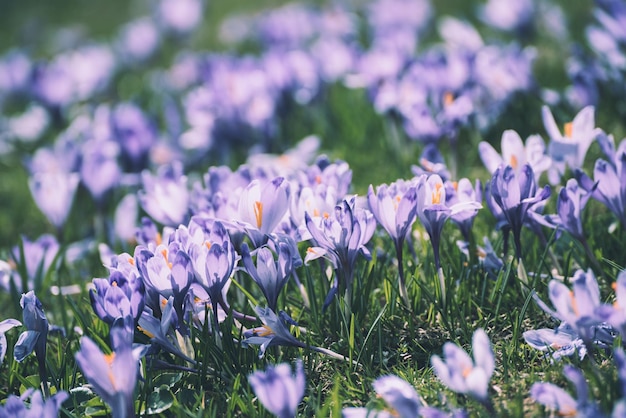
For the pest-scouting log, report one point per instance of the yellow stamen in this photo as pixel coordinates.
(466, 371)
(448, 99)
(428, 166)
(436, 194)
(159, 239)
(131, 261)
(258, 213)
(265, 331)
(316, 212)
(326, 215)
(146, 333)
(109, 358)
(513, 161)
(318, 179)
(574, 304)
(167, 261)
(568, 130)
(114, 284)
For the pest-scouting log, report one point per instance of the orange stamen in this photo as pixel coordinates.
(466, 371)
(568, 130)
(258, 213)
(513, 161)
(131, 261)
(436, 194)
(159, 239)
(448, 99)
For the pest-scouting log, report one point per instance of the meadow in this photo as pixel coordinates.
(390, 208)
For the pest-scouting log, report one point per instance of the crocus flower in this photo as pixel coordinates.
(39, 256)
(36, 334)
(571, 201)
(570, 147)
(6, 325)
(578, 307)
(118, 296)
(394, 207)
(399, 395)
(278, 389)
(113, 376)
(54, 194)
(516, 154)
(463, 191)
(559, 342)
(262, 207)
(460, 373)
(36, 407)
(516, 194)
(433, 211)
(275, 331)
(340, 238)
(165, 197)
(100, 170)
(270, 275)
(610, 177)
(564, 404)
(134, 132)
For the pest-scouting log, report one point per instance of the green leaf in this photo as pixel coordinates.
(159, 401)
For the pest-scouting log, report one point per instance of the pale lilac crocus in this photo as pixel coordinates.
(39, 257)
(278, 389)
(341, 238)
(35, 337)
(99, 170)
(556, 399)
(433, 211)
(578, 307)
(516, 154)
(165, 197)
(262, 206)
(112, 376)
(53, 193)
(6, 325)
(462, 374)
(568, 149)
(516, 194)
(610, 177)
(271, 275)
(35, 407)
(394, 207)
(117, 297)
(463, 191)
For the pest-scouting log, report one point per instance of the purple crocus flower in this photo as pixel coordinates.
(516, 154)
(165, 197)
(100, 170)
(6, 325)
(36, 407)
(394, 207)
(516, 194)
(341, 238)
(54, 194)
(278, 389)
(134, 132)
(36, 335)
(570, 147)
(433, 211)
(121, 295)
(399, 395)
(113, 376)
(262, 206)
(463, 191)
(213, 261)
(275, 331)
(571, 201)
(557, 399)
(579, 308)
(39, 256)
(270, 275)
(559, 342)
(610, 177)
(460, 373)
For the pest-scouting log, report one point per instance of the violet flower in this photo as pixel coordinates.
(462, 374)
(100, 171)
(39, 256)
(113, 376)
(270, 275)
(53, 193)
(516, 194)
(275, 331)
(570, 147)
(394, 207)
(165, 197)
(263, 206)
(559, 342)
(6, 325)
(119, 296)
(433, 211)
(399, 395)
(610, 177)
(556, 399)
(36, 335)
(36, 407)
(278, 389)
(341, 238)
(516, 154)
(462, 192)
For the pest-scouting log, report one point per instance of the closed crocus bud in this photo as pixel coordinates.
(36, 334)
(278, 389)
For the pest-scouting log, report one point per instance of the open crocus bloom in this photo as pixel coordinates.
(463, 375)
(570, 147)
